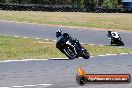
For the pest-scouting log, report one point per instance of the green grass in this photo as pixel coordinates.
(19, 48)
(114, 21)
(101, 50)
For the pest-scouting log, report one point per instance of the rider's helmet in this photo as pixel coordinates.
(58, 33)
(109, 32)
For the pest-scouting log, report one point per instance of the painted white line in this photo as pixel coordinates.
(16, 36)
(46, 39)
(24, 60)
(17, 86)
(33, 59)
(101, 45)
(123, 53)
(91, 44)
(54, 40)
(120, 47)
(110, 54)
(44, 85)
(25, 37)
(37, 38)
(58, 58)
(92, 56)
(101, 55)
(29, 85)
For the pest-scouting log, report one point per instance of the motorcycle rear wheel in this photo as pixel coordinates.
(69, 53)
(85, 55)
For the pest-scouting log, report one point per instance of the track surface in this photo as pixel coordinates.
(61, 73)
(48, 32)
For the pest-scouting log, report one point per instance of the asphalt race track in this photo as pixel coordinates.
(48, 32)
(61, 73)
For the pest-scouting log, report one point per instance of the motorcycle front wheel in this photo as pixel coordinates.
(121, 43)
(85, 55)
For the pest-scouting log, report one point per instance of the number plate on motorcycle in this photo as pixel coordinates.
(68, 43)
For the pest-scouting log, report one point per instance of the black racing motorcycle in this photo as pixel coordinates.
(71, 48)
(115, 39)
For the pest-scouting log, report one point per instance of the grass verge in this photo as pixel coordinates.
(19, 48)
(115, 21)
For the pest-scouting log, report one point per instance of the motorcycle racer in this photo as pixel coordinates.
(60, 38)
(115, 38)
(69, 46)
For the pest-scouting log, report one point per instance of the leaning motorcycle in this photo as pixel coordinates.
(115, 39)
(71, 49)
